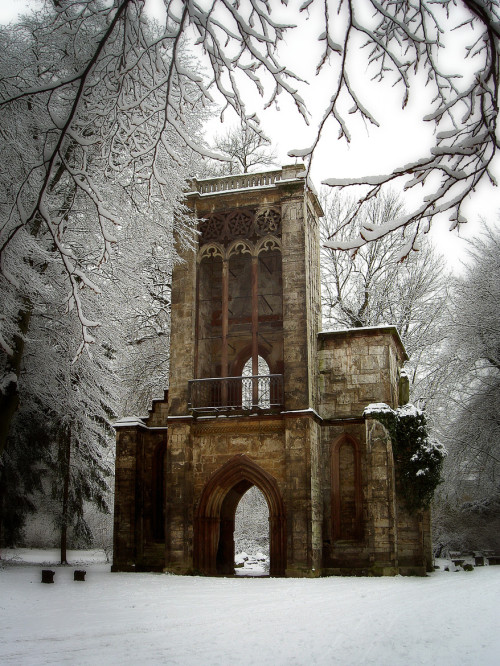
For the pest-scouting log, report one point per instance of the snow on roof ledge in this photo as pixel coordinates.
(129, 422)
(237, 184)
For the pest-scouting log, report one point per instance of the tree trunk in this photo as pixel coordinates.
(65, 499)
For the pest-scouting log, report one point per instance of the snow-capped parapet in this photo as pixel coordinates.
(366, 331)
(377, 408)
(129, 422)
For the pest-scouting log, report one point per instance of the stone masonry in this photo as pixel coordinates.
(248, 298)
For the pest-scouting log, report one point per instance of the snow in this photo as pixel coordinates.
(358, 329)
(300, 152)
(450, 617)
(251, 565)
(377, 408)
(409, 410)
(126, 421)
(7, 380)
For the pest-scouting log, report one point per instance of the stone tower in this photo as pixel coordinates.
(259, 396)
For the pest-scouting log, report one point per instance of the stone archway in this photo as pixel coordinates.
(214, 518)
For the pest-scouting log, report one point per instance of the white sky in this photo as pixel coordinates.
(372, 150)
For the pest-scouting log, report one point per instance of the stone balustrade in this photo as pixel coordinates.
(246, 180)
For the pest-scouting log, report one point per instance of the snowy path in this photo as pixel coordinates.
(447, 618)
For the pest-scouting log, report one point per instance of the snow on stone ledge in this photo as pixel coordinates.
(129, 421)
(377, 408)
(358, 329)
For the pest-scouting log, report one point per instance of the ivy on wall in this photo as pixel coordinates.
(418, 457)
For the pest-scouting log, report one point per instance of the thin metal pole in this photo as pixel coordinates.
(225, 306)
(255, 330)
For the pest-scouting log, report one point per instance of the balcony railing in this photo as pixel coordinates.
(254, 393)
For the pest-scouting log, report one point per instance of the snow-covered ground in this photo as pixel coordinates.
(447, 618)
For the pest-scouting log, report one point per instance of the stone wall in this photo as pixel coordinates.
(327, 473)
(358, 367)
(281, 446)
(182, 336)
(135, 545)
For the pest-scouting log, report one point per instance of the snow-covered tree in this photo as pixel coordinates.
(246, 148)
(58, 453)
(473, 425)
(442, 54)
(372, 286)
(98, 124)
(467, 513)
(140, 279)
(20, 475)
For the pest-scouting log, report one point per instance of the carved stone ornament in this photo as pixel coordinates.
(267, 244)
(239, 247)
(210, 251)
(248, 223)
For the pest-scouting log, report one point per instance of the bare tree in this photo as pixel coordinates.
(467, 506)
(371, 287)
(246, 148)
(471, 427)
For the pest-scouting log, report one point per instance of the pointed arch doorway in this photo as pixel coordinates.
(214, 518)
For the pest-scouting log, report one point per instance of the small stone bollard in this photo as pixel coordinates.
(47, 576)
(79, 575)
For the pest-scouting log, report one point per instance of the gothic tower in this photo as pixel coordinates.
(243, 381)
(259, 396)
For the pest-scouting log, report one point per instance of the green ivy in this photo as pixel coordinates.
(418, 457)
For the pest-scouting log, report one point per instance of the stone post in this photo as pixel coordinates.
(127, 521)
(381, 500)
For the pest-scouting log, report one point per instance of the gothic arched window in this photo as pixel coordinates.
(255, 390)
(346, 490)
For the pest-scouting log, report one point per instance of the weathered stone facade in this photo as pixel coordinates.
(248, 298)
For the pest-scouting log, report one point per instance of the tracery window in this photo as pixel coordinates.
(250, 223)
(240, 292)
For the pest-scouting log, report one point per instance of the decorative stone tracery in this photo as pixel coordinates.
(249, 223)
(213, 250)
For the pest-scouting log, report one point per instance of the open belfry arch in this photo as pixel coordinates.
(259, 396)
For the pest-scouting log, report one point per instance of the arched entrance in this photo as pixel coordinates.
(214, 518)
